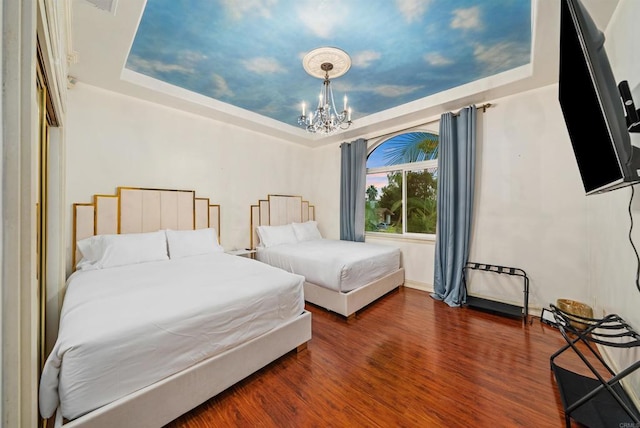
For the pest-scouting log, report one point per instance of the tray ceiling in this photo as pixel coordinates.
(241, 61)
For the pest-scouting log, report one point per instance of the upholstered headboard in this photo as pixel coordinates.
(135, 210)
(277, 210)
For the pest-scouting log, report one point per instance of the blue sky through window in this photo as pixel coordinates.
(403, 144)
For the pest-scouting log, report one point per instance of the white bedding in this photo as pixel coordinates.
(338, 265)
(124, 328)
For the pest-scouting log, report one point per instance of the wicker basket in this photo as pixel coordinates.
(575, 308)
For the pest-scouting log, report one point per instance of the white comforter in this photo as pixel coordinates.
(124, 328)
(337, 265)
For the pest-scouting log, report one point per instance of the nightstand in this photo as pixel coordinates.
(243, 252)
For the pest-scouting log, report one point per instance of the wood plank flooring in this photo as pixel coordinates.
(405, 361)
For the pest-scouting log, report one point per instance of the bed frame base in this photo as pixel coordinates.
(346, 304)
(164, 401)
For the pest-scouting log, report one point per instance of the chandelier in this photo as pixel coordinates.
(324, 63)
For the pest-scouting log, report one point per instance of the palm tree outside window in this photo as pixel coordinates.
(402, 183)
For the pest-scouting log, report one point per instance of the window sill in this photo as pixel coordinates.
(407, 237)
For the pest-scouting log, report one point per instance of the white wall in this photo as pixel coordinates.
(529, 205)
(115, 140)
(325, 191)
(530, 213)
(612, 263)
(530, 208)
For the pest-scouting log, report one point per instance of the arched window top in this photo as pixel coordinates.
(404, 148)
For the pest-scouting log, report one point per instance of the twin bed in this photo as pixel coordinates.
(158, 319)
(340, 276)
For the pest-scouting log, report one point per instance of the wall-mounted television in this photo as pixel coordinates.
(592, 106)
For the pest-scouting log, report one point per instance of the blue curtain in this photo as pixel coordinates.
(456, 171)
(353, 175)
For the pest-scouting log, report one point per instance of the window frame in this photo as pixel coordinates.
(403, 168)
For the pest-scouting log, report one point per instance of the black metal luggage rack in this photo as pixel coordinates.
(494, 306)
(598, 401)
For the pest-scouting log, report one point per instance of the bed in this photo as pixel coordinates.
(145, 336)
(340, 276)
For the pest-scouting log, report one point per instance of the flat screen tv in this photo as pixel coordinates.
(591, 104)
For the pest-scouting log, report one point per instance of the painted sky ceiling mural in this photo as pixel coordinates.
(249, 53)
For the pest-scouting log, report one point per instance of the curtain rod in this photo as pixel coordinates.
(483, 107)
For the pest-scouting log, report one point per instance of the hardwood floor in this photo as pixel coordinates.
(405, 361)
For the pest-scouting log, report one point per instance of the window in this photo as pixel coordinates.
(402, 183)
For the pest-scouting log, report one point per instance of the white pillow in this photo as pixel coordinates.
(105, 251)
(270, 236)
(185, 243)
(91, 251)
(307, 231)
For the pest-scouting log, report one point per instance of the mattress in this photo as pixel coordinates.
(124, 328)
(337, 265)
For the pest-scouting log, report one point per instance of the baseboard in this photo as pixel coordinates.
(422, 286)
